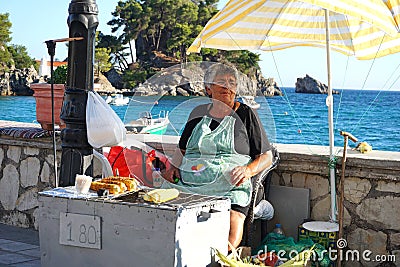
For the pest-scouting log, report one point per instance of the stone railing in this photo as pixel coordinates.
(372, 186)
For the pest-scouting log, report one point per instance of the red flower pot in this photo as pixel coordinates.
(43, 104)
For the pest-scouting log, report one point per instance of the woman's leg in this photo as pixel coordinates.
(236, 228)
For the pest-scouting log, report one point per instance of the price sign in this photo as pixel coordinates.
(80, 230)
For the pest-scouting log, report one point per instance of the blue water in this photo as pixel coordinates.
(371, 116)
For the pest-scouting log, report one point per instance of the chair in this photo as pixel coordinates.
(106, 170)
(261, 184)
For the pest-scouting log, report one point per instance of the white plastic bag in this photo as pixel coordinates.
(104, 127)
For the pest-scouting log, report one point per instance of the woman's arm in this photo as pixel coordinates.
(176, 161)
(241, 173)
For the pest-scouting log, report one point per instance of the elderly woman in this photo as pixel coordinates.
(221, 147)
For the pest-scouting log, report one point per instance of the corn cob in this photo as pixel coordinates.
(112, 188)
(301, 258)
(232, 262)
(161, 195)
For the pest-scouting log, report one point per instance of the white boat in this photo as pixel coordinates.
(118, 100)
(249, 100)
(148, 123)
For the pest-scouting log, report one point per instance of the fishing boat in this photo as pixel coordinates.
(148, 123)
(117, 100)
(250, 101)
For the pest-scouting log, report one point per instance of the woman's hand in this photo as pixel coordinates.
(240, 174)
(171, 173)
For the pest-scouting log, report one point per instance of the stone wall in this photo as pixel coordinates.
(372, 187)
(26, 167)
(371, 195)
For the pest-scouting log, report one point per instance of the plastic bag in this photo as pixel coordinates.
(104, 127)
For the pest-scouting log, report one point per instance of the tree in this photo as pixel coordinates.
(133, 18)
(102, 57)
(5, 38)
(116, 49)
(20, 56)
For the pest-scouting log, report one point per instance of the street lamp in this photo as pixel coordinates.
(77, 154)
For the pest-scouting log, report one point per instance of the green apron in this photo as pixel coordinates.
(210, 157)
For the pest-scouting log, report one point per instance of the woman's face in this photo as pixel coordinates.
(223, 88)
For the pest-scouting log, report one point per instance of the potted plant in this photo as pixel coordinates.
(42, 94)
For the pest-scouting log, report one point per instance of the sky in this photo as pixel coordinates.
(37, 21)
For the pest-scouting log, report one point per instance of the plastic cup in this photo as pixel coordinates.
(82, 184)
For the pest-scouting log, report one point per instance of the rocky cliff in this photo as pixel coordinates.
(309, 85)
(187, 80)
(16, 82)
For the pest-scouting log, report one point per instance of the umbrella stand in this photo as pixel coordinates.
(346, 136)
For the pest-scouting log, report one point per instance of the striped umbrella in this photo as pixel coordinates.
(365, 29)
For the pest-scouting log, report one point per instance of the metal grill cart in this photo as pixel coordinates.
(126, 231)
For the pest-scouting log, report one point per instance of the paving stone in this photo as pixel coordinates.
(13, 258)
(34, 263)
(16, 246)
(3, 241)
(35, 252)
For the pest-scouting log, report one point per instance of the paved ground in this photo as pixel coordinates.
(19, 247)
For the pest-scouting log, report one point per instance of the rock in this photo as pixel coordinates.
(356, 189)
(21, 79)
(9, 186)
(319, 186)
(310, 85)
(395, 239)
(189, 81)
(181, 91)
(29, 170)
(321, 209)
(31, 151)
(27, 200)
(298, 179)
(14, 153)
(115, 78)
(381, 211)
(267, 86)
(1, 156)
(16, 218)
(45, 174)
(5, 88)
(388, 186)
(105, 85)
(367, 240)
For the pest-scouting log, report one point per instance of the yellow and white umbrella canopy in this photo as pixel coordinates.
(362, 28)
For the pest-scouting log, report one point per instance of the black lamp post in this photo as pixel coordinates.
(77, 154)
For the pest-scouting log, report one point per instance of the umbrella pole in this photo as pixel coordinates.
(329, 103)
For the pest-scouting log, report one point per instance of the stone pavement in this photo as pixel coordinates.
(19, 247)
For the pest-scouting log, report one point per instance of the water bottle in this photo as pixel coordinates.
(157, 178)
(278, 229)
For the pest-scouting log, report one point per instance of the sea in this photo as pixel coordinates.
(371, 116)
